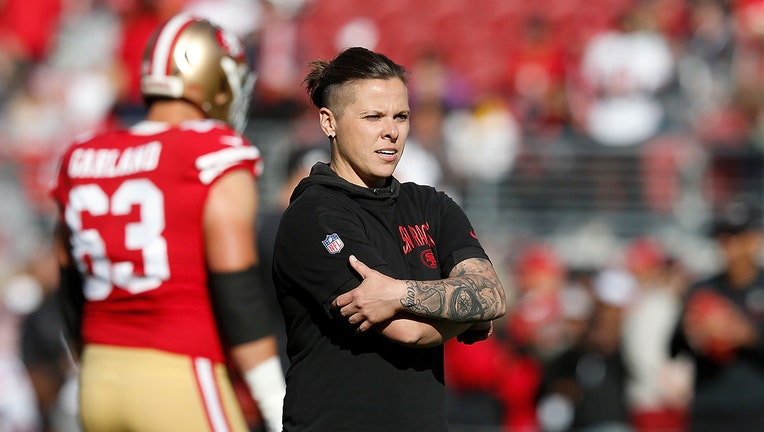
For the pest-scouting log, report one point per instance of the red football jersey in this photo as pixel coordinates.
(134, 200)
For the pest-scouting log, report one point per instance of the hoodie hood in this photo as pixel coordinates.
(321, 174)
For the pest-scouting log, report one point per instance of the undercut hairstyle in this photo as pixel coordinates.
(326, 78)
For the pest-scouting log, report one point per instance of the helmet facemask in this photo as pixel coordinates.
(241, 82)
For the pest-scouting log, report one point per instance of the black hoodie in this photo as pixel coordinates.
(339, 379)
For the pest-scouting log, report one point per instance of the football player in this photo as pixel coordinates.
(156, 248)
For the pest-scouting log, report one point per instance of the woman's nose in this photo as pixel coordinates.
(392, 132)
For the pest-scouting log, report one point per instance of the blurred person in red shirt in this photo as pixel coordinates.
(28, 28)
(139, 19)
(537, 321)
(504, 374)
(534, 76)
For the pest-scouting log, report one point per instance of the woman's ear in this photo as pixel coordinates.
(328, 122)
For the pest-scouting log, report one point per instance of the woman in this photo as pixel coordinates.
(365, 335)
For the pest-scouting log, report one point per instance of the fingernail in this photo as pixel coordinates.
(353, 258)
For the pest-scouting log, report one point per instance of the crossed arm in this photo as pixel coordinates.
(471, 293)
(426, 312)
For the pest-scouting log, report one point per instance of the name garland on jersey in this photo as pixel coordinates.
(108, 163)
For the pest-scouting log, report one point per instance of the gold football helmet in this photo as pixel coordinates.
(192, 59)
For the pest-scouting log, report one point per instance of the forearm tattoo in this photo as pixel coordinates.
(473, 293)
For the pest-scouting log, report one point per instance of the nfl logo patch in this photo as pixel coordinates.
(333, 243)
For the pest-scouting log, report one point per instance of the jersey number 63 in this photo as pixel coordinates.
(143, 236)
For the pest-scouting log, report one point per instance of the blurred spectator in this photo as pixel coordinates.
(482, 142)
(474, 375)
(438, 93)
(65, 95)
(434, 81)
(577, 307)
(277, 45)
(584, 387)
(492, 384)
(749, 55)
(622, 73)
(500, 379)
(243, 18)
(138, 20)
(18, 406)
(536, 323)
(42, 345)
(535, 77)
(421, 165)
(534, 333)
(31, 119)
(427, 161)
(723, 81)
(721, 325)
(20, 294)
(734, 133)
(659, 387)
(705, 63)
(24, 43)
(664, 162)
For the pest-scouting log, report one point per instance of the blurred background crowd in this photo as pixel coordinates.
(589, 141)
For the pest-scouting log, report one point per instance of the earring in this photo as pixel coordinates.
(331, 137)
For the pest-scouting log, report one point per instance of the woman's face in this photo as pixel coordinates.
(370, 130)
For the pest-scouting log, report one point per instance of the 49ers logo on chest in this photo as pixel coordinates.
(417, 236)
(428, 258)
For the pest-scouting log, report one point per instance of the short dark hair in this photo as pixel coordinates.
(352, 64)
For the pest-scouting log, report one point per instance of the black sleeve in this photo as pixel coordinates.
(456, 238)
(314, 242)
(241, 308)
